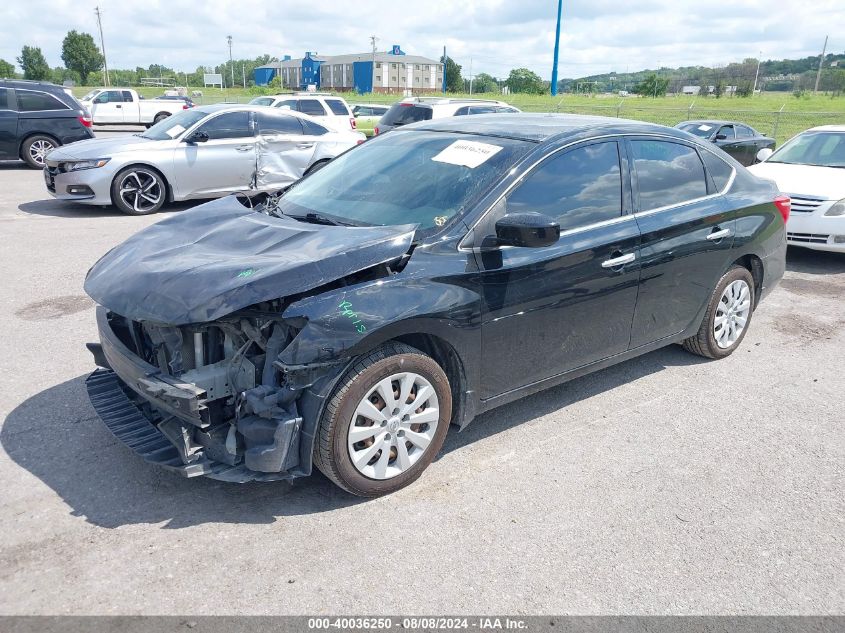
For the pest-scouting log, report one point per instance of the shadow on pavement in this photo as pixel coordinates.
(804, 260)
(57, 437)
(65, 209)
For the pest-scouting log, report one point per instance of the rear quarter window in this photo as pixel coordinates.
(718, 169)
(4, 99)
(312, 129)
(337, 107)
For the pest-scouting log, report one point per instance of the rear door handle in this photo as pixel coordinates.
(119, 106)
(243, 148)
(719, 234)
(304, 145)
(619, 261)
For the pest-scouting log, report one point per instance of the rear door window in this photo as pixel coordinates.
(272, 123)
(4, 99)
(667, 174)
(312, 107)
(127, 96)
(32, 101)
(744, 132)
(580, 187)
(337, 107)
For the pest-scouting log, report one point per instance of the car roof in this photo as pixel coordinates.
(713, 122)
(537, 127)
(30, 83)
(827, 128)
(370, 105)
(450, 101)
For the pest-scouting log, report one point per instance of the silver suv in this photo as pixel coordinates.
(415, 109)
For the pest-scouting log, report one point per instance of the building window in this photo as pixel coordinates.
(393, 65)
(393, 78)
(378, 77)
(378, 64)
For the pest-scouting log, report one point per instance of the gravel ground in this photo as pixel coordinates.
(664, 485)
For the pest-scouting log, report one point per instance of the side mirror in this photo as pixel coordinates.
(764, 154)
(197, 137)
(720, 137)
(530, 230)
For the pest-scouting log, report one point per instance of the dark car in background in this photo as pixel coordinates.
(416, 281)
(186, 100)
(37, 117)
(741, 141)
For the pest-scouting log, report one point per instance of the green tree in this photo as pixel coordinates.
(80, 53)
(7, 70)
(33, 63)
(485, 83)
(454, 81)
(524, 80)
(652, 86)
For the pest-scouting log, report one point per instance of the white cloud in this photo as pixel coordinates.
(598, 35)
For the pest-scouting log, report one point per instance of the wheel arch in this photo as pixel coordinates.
(29, 135)
(753, 264)
(163, 112)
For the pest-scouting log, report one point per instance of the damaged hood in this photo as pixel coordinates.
(219, 257)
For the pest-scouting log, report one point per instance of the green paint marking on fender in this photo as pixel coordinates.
(346, 310)
(246, 273)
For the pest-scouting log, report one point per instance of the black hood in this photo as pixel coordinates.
(203, 264)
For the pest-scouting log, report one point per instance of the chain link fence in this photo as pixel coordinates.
(779, 125)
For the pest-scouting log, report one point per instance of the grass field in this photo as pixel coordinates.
(778, 114)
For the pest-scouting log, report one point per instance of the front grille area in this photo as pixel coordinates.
(807, 238)
(801, 204)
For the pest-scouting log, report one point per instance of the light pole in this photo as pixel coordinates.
(557, 47)
(757, 74)
(231, 63)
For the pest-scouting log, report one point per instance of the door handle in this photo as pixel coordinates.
(304, 145)
(719, 234)
(119, 106)
(619, 261)
(243, 148)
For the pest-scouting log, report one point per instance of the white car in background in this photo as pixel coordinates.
(810, 168)
(324, 107)
(202, 152)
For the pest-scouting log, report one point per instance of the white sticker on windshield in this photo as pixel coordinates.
(705, 128)
(175, 131)
(467, 153)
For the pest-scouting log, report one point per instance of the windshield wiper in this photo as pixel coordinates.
(317, 218)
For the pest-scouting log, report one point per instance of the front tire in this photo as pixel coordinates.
(161, 116)
(35, 149)
(385, 422)
(138, 191)
(727, 318)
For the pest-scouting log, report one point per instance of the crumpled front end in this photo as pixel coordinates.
(203, 399)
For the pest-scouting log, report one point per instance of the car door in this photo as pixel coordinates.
(130, 109)
(550, 310)
(687, 236)
(284, 151)
(725, 139)
(107, 107)
(223, 164)
(8, 125)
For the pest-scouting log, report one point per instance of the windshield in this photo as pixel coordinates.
(702, 130)
(403, 113)
(90, 96)
(262, 101)
(413, 177)
(173, 126)
(824, 149)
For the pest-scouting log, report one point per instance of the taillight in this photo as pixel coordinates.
(85, 120)
(784, 205)
(360, 140)
(375, 131)
(185, 106)
(353, 123)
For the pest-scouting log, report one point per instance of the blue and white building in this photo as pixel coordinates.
(387, 72)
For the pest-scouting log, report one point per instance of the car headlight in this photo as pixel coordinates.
(836, 209)
(76, 165)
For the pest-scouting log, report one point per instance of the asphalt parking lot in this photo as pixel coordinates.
(664, 485)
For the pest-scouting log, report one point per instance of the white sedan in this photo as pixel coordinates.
(202, 152)
(810, 168)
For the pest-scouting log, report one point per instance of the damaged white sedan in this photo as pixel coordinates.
(200, 153)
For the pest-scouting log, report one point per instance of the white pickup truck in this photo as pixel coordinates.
(123, 106)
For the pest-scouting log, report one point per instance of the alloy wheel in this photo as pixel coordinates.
(39, 149)
(142, 190)
(393, 425)
(732, 313)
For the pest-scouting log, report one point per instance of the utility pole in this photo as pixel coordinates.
(373, 40)
(757, 74)
(444, 70)
(231, 62)
(557, 48)
(243, 70)
(821, 62)
(102, 46)
(470, 75)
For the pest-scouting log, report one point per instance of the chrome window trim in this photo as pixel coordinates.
(594, 225)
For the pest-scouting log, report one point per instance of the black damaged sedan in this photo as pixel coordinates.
(427, 276)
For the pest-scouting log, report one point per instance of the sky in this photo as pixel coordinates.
(491, 36)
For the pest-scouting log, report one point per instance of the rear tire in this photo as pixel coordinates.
(161, 116)
(138, 190)
(727, 317)
(35, 149)
(396, 446)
